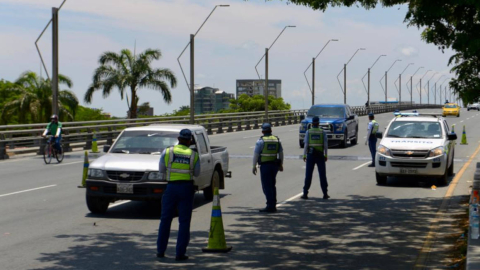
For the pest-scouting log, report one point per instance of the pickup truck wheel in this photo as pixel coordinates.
(458, 115)
(451, 168)
(208, 191)
(443, 180)
(302, 144)
(355, 141)
(343, 144)
(381, 180)
(97, 205)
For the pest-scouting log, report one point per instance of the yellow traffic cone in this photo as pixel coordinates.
(464, 136)
(94, 143)
(85, 171)
(216, 236)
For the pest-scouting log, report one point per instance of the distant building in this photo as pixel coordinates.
(256, 87)
(209, 99)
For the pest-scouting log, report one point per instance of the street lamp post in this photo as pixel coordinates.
(368, 73)
(312, 89)
(440, 90)
(385, 90)
(420, 82)
(399, 89)
(344, 89)
(191, 86)
(428, 87)
(265, 90)
(411, 86)
(436, 89)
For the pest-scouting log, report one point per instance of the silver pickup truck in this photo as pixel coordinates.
(129, 169)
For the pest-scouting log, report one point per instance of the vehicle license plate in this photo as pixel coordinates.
(125, 188)
(408, 171)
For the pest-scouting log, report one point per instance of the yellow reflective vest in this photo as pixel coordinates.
(180, 164)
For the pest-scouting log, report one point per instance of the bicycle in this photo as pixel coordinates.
(49, 151)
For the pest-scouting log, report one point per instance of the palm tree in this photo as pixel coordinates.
(125, 70)
(35, 99)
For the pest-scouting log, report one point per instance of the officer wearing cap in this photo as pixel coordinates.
(179, 164)
(315, 152)
(371, 137)
(269, 155)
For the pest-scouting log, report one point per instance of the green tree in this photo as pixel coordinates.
(89, 114)
(246, 103)
(125, 70)
(34, 100)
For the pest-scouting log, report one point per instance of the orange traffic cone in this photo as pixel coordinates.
(216, 236)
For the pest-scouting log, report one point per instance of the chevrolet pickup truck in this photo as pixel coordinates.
(130, 168)
(415, 145)
(337, 120)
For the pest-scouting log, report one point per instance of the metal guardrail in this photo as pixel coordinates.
(28, 137)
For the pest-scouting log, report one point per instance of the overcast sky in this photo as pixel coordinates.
(227, 48)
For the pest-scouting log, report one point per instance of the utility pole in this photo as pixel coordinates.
(368, 74)
(192, 79)
(265, 90)
(313, 81)
(55, 60)
(345, 83)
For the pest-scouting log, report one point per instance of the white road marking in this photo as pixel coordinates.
(366, 163)
(290, 199)
(18, 192)
(63, 164)
(118, 203)
(461, 121)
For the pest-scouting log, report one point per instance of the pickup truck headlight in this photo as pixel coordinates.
(155, 176)
(435, 152)
(339, 127)
(95, 173)
(384, 151)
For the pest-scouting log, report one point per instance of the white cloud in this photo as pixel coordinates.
(409, 51)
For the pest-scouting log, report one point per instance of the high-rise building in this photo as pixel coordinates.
(255, 87)
(209, 99)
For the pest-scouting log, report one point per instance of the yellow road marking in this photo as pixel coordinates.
(427, 245)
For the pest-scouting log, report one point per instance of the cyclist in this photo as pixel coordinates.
(54, 128)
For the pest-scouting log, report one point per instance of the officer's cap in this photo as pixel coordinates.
(371, 114)
(185, 134)
(315, 119)
(266, 126)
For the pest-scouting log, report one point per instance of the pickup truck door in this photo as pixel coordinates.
(206, 162)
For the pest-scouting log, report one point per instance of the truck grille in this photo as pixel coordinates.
(410, 153)
(408, 165)
(326, 127)
(125, 176)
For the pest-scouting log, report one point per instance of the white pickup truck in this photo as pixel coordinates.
(416, 145)
(129, 169)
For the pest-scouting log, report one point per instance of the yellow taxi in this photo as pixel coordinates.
(451, 109)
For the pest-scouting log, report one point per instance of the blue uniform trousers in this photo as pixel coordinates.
(268, 175)
(179, 194)
(372, 144)
(319, 160)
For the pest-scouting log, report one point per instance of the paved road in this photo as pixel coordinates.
(44, 222)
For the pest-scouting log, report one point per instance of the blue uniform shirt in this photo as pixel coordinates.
(259, 147)
(163, 168)
(325, 144)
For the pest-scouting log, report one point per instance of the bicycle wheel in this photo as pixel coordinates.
(47, 154)
(58, 156)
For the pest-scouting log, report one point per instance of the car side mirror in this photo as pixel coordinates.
(351, 117)
(452, 136)
(379, 135)
(106, 148)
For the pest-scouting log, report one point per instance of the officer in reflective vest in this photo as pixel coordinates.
(269, 155)
(315, 152)
(179, 164)
(371, 137)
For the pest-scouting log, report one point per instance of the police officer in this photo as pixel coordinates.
(315, 152)
(269, 155)
(371, 137)
(179, 164)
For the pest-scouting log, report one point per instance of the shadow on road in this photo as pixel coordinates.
(356, 233)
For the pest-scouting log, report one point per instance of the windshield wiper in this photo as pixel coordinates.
(419, 137)
(393, 136)
(121, 151)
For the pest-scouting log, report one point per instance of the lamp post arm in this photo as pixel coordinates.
(304, 74)
(206, 20)
(277, 37)
(322, 49)
(353, 56)
(339, 80)
(392, 65)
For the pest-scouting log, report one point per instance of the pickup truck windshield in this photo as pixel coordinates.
(327, 112)
(144, 142)
(415, 129)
